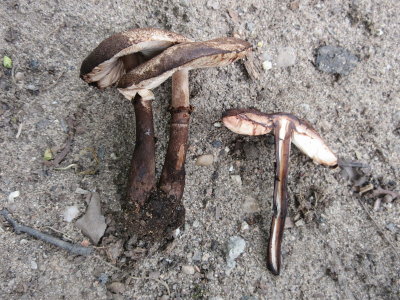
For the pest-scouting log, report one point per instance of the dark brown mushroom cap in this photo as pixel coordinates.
(104, 58)
(304, 136)
(213, 53)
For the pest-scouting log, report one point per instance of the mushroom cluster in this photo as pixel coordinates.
(137, 61)
(287, 129)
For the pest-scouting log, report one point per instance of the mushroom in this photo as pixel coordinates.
(164, 211)
(286, 129)
(123, 51)
(105, 65)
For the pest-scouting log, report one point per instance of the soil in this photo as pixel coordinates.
(333, 251)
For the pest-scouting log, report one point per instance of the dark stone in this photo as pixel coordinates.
(335, 60)
(216, 144)
(33, 64)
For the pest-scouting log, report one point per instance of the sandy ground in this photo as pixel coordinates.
(337, 254)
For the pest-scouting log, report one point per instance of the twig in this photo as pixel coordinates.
(60, 232)
(19, 131)
(67, 145)
(385, 237)
(380, 191)
(18, 228)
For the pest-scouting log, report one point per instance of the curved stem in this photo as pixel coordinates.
(172, 180)
(283, 137)
(142, 174)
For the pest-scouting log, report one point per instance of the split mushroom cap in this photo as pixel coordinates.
(304, 136)
(117, 54)
(213, 53)
(286, 129)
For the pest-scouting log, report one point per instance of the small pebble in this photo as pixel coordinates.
(335, 60)
(196, 224)
(197, 256)
(244, 226)
(300, 223)
(216, 144)
(188, 270)
(286, 57)
(377, 204)
(33, 64)
(81, 191)
(205, 257)
(267, 65)
(205, 160)
(288, 223)
(12, 196)
(19, 76)
(210, 275)
(116, 287)
(34, 265)
(32, 87)
(237, 179)
(113, 156)
(250, 26)
(103, 278)
(217, 124)
(70, 213)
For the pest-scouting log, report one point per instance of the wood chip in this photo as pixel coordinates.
(366, 188)
(251, 68)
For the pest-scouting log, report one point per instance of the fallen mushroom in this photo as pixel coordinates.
(112, 58)
(164, 211)
(286, 129)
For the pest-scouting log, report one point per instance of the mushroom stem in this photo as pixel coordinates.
(172, 180)
(142, 174)
(283, 136)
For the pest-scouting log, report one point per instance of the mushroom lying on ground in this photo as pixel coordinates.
(163, 212)
(105, 65)
(286, 129)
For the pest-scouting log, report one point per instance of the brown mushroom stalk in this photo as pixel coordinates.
(141, 179)
(286, 128)
(283, 137)
(172, 180)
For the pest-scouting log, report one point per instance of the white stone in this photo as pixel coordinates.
(244, 226)
(34, 265)
(13, 195)
(70, 213)
(267, 65)
(205, 160)
(188, 270)
(237, 179)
